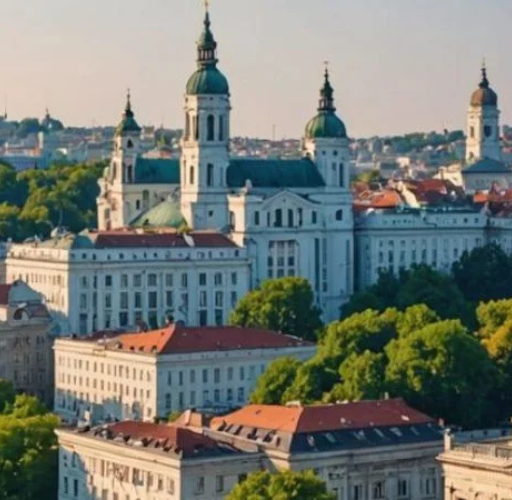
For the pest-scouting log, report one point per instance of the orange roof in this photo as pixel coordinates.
(387, 198)
(178, 339)
(316, 418)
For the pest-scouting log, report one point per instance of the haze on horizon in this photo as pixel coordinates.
(400, 66)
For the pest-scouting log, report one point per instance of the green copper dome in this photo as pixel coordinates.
(326, 124)
(165, 214)
(127, 123)
(207, 80)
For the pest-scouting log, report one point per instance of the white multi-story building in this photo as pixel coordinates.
(364, 450)
(150, 374)
(120, 279)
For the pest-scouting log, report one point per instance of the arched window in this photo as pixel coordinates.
(339, 215)
(145, 199)
(191, 175)
(256, 218)
(129, 144)
(472, 132)
(221, 128)
(232, 219)
(210, 128)
(137, 205)
(209, 174)
(129, 173)
(487, 130)
(341, 173)
(114, 170)
(187, 127)
(196, 129)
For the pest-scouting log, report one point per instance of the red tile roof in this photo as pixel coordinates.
(4, 294)
(171, 239)
(179, 339)
(317, 418)
(167, 435)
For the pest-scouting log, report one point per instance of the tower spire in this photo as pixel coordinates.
(206, 45)
(484, 84)
(326, 93)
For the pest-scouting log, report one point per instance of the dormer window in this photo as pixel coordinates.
(129, 144)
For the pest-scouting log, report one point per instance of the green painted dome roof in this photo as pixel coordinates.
(207, 80)
(326, 124)
(165, 214)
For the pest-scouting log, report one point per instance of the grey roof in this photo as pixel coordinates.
(265, 173)
(487, 166)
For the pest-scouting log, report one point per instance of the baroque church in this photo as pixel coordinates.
(294, 217)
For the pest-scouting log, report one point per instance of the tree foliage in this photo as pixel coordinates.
(284, 485)
(273, 383)
(33, 202)
(28, 448)
(484, 274)
(285, 305)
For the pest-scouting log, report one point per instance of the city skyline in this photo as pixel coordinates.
(382, 85)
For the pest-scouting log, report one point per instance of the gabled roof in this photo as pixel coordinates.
(157, 171)
(265, 173)
(487, 166)
(317, 418)
(180, 339)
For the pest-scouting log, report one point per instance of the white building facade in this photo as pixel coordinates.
(146, 375)
(118, 280)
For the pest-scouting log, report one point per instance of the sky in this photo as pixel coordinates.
(397, 66)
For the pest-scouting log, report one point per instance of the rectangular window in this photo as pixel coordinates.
(199, 489)
(241, 394)
(75, 488)
(137, 280)
(151, 279)
(219, 299)
(203, 299)
(234, 299)
(219, 484)
(152, 300)
(230, 373)
(169, 299)
(83, 301)
(219, 317)
(108, 281)
(216, 375)
(192, 376)
(217, 279)
(202, 279)
(184, 280)
(205, 376)
(108, 300)
(378, 490)
(169, 280)
(229, 395)
(403, 488)
(123, 319)
(203, 317)
(124, 300)
(256, 218)
(242, 373)
(124, 281)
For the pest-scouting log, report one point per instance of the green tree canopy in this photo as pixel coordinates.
(484, 274)
(274, 381)
(285, 305)
(284, 485)
(443, 371)
(6, 394)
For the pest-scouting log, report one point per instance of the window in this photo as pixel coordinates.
(66, 486)
(341, 173)
(75, 488)
(290, 218)
(242, 373)
(169, 299)
(191, 175)
(203, 299)
(199, 489)
(202, 279)
(230, 373)
(379, 489)
(357, 492)
(83, 301)
(137, 477)
(278, 218)
(152, 300)
(138, 300)
(210, 128)
(241, 394)
(151, 279)
(219, 484)
(472, 132)
(216, 375)
(170, 486)
(314, 217)
(403, 488)
(256, 218)
(205, 376)
(108, 281)
(168, 280)
(137, 280)
(209, 175)
(192, 376)
(221, 128)
(184, 280)
(187, 127)
(217, 279)
(124, 281)
(167, 401)
(123, 299)
(339, 215)
(487, 130)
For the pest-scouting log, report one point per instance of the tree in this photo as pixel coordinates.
(443, 371)
(362, 378)
(414, 318)
(313, 378)
(274, 381)
(28, 451)
(6, 394)
(484, 274)
(284, 485)
(285, 305)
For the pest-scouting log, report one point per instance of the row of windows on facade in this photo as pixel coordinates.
(290, 217)
(424, 243)
(193, 128)
(135, 300)
(152, 280)
(210, 175)
(488, 131)
(207, 398)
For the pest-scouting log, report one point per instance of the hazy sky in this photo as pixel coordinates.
(397, 65)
